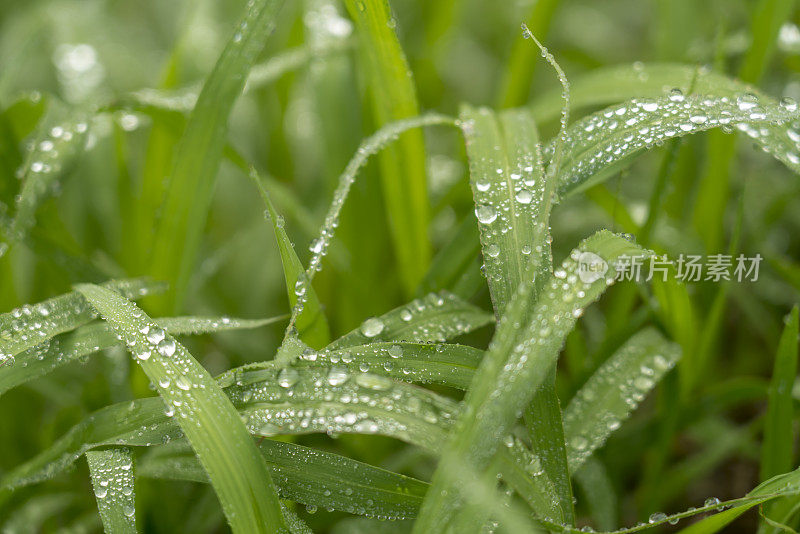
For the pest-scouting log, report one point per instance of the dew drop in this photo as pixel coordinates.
(372, 327)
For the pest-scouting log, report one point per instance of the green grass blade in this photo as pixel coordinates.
(112, 479)
(777, 452)
(306, 400)
(54, 353)
(515, 365)
(206, 416)
(599, 144)
(512, 200)
(332, 399)
(139, 423)
(357, 405)
(403, 173)
(425, 363)
(601, 498)
(544, 422)
(191, 183)
(436, 317)
(614, 391)
(311, 324)
(54, 151)
(28, 326)
(768, 17)
(309, 477)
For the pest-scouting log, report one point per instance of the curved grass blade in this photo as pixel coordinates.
(309, 477)
(614, 391)
(311, 324)
(425, 363)
(517, 362)
(206, 416)
(726, 511)
(191, 183)
(142, 422)
(599, 144)
(306, 400)
(29, 325)
(54, 353)
(112, 479)
(319, 402)
(55, 149)
(513, 198)
(435, 317)
(403, 173)
(369, 147)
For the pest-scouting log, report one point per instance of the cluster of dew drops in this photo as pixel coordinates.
(649, 122)
(113, 481)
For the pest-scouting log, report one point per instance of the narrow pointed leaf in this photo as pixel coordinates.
(45, 357)
(112, 480)
(403, 173)
(191, 183)
(512, 200)
(599, 144)
(311, 324)
(205, 414)
(30, 325)
(436, 317)
(614, 391)
(54, 151)
(425, 363)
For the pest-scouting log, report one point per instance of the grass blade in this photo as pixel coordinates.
(425, 363)
(356, 405)
(777, 452)
(403, 174)
(614, 391)
(28, 326)
(436, 317)
(310, 477)
(511, 197)
(599, 144)
(191, 183)
(206, 416)
(112, 479)
(54, 353)
(515, 365)
(311, 324)
(55, 149)
(300, 401)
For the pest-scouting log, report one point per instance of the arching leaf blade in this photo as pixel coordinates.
(205, 414)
